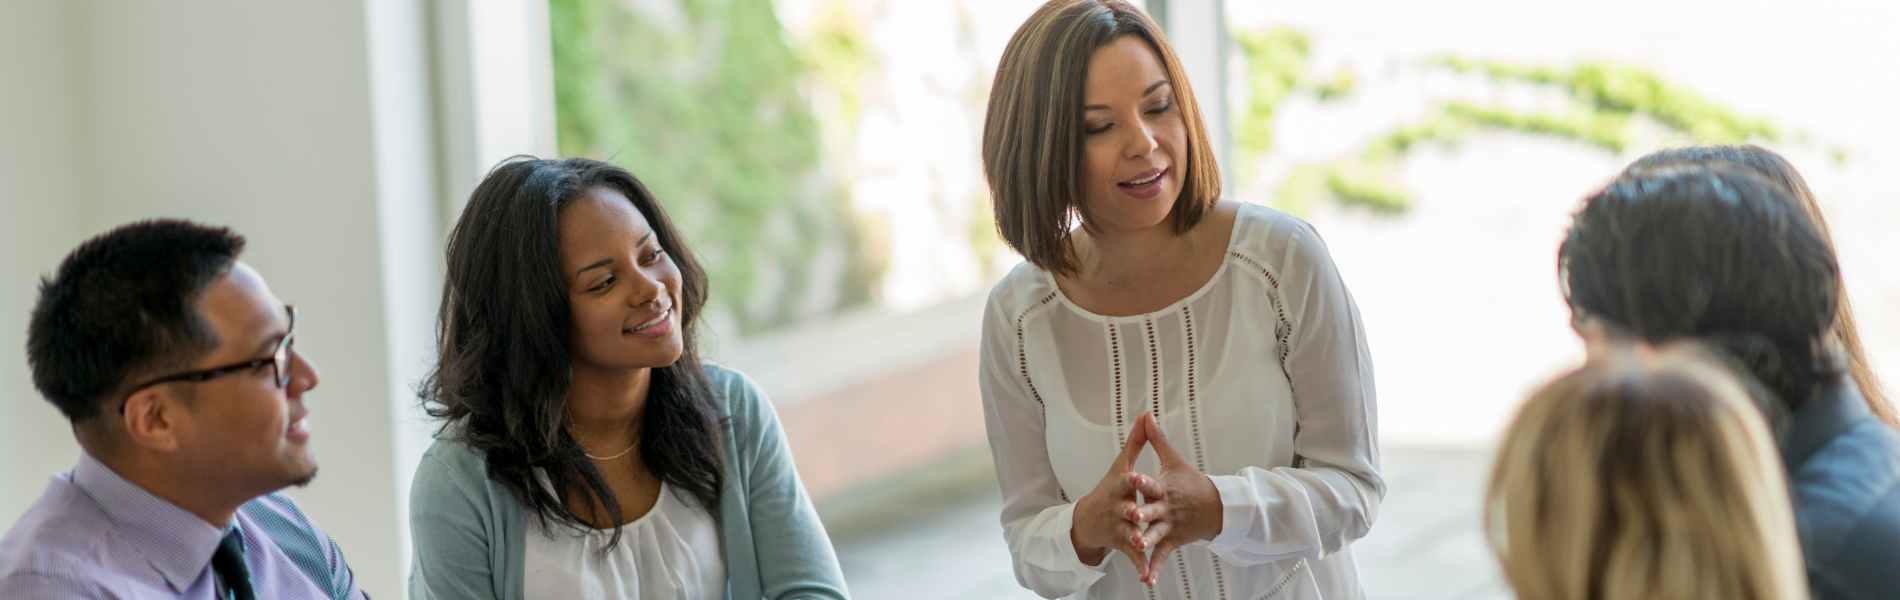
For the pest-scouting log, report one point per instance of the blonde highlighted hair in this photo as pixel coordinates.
(1643, 475)
(1032, 134)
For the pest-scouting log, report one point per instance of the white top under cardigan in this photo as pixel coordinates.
(670, 552)
(470, 531)
(1261, 378)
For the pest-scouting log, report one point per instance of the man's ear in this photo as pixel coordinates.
(152, 417)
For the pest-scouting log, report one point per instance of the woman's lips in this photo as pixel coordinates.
(658, 326)
(1145, 186)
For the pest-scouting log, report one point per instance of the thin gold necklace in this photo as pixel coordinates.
(636, 443)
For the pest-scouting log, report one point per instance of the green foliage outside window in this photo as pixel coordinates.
(702, 100)
(1612, 107)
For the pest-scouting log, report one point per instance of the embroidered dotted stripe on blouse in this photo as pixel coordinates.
(1187, 586)
(1121, 418)
(1284, 579)
(1283, 328)
(1022, 351)
(1115, 364)
(1154, 368)
(1193, 406)
(1022, 364)
(1220, 582)
(1194, 426)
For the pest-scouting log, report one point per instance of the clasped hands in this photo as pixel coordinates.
(1143, 517)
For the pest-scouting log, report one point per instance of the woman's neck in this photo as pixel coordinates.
(605, 406)
(1118, 258)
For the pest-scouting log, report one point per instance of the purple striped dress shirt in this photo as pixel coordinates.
(92, 534)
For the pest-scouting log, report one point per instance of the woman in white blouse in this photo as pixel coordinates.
(1178, 393)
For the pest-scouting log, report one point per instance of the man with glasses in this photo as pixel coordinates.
(179, 372)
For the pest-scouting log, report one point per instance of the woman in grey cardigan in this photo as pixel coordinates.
(585, 451)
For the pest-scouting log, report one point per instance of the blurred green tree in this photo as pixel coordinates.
(702, 100)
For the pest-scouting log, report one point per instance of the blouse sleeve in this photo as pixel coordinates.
(1330, 495)
(795, 557)
(1036, 517)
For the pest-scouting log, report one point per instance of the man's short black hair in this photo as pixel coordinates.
(124, 305)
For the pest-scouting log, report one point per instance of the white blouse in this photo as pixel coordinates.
(670, 552)
(1261, 378)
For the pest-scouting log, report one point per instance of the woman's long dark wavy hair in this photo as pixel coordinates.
(501, 381)
(1713, 253)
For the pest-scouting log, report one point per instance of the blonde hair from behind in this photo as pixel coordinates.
(1643, 474)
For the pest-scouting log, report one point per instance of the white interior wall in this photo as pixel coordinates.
(260, 116)
(310, 128)
(43, 181)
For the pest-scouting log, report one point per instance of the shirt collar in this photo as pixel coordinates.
(176, 542)
(1836, 409)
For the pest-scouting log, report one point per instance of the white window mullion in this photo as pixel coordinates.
(1198, 31)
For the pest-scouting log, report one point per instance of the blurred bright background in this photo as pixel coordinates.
(823, 157)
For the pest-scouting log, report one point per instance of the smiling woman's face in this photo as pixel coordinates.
(622, 286)
(1134, 139)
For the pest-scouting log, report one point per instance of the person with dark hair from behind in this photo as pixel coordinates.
(1777, 169)
(1720, 255)
(178, 370)
(586, 453)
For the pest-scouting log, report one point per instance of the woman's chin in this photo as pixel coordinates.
(1133, 214)
(655, 355)
(1137, 220)
(660, 354)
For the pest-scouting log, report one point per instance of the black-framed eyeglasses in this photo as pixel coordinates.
(279, 361)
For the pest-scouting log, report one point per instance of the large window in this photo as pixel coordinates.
(821, 154)
(823, 157)
(1439, 147)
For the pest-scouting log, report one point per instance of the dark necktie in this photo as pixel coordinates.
(228, 564)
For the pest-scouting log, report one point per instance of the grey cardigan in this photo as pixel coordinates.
(468, 530)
